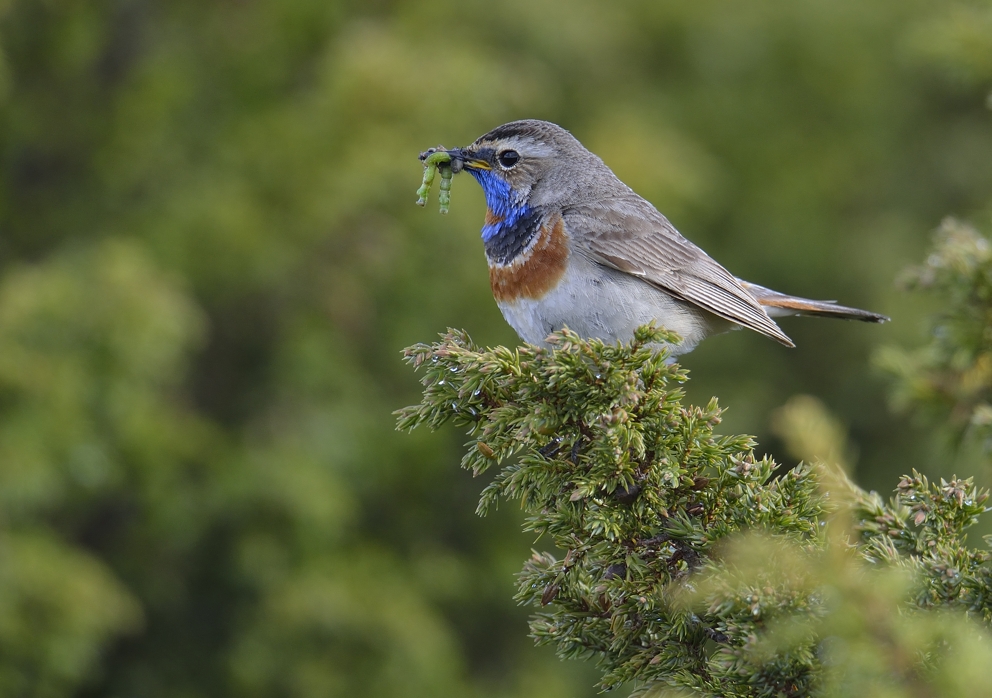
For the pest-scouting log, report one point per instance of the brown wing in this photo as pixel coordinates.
(629, 234)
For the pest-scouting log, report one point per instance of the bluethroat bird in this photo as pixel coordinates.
(568, 243)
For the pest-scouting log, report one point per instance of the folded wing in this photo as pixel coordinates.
(629, 234)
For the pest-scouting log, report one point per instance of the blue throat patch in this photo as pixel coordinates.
(516, 223)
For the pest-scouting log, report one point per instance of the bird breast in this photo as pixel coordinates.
(535, 269)
(549, 286)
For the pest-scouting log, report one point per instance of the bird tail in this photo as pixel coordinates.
(778, 304)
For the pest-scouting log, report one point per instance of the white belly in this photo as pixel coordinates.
(599, 302)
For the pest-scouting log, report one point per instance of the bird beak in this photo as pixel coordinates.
(467, 159)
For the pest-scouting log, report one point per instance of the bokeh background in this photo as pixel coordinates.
(210, 259)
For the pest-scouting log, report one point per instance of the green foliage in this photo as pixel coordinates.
(687, 563)
(922, 528)
(92, 346)
(635, 486)
(58, 607)
(950, 379)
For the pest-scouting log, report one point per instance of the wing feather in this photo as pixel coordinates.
(629, 234)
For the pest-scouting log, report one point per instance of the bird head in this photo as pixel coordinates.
(530, 163)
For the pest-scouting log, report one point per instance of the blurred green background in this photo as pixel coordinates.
(210, 260)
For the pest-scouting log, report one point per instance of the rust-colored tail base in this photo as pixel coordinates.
(778, 304)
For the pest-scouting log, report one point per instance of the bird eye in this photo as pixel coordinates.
(508, 158)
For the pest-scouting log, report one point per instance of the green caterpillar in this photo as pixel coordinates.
(436, 159)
